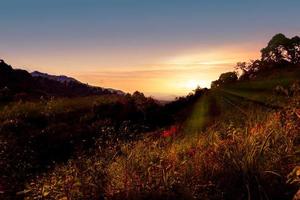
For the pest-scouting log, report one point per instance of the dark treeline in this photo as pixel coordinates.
(281, 52)
(17, 84)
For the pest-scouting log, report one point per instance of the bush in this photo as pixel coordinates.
(227, 162)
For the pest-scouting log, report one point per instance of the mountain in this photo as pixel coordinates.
(15, 80)
(20, 84)
(69, 80)
(61, 78)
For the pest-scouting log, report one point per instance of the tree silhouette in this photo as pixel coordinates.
(276, 50)
(281, 49)
(280, 52)
(294, 49)
(225, 78)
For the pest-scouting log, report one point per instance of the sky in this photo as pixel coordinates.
(164, 48)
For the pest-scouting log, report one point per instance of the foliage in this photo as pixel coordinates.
(282, 49)
(225, 79)
(224, 162)
(281, 52)
(35, 135)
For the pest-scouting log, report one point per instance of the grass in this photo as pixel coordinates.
(54, 106)
(36, 135)
(226, 161)
(237, 142)
(262, 88)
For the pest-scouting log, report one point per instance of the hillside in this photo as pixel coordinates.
(61, 78)
(238, 140)
(19, 84)
(116, 146)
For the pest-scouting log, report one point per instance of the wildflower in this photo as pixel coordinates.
(171, 131)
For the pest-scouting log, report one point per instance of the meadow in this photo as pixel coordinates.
(240, 139)
(85, 148)
(249, 157)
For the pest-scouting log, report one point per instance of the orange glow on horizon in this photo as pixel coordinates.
(166, 77)
(173, 77)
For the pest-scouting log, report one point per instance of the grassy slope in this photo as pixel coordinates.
(233, 145)
(226, 161)
(262, 87)
(245, 152)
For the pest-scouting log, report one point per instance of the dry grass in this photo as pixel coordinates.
(221, 163)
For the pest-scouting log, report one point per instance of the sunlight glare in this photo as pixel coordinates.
(191, 84)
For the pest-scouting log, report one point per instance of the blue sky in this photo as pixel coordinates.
(90, 38)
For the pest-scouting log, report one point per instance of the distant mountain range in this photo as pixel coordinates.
(61, 78)
(18, 84)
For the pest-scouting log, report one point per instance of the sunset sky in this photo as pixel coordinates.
(163, 48)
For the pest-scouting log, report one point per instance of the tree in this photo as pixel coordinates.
(138, 95)
(277, 49)
(228, 77)
(294, 49)
(282, 49)
(279, 52)
(247, 70)
(215, 84)
(224, 79)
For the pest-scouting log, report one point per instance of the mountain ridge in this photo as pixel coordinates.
(20, 84)
(59, 78)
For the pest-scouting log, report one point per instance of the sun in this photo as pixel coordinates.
(191, 84)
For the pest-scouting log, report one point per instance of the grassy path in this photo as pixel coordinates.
(218, 102)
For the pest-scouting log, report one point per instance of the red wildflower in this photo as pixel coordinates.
(169, 132)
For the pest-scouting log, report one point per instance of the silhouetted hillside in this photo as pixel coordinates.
(20, 84)
(61, 78)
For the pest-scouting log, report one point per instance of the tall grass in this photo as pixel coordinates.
(53, 106)
(223, 162)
